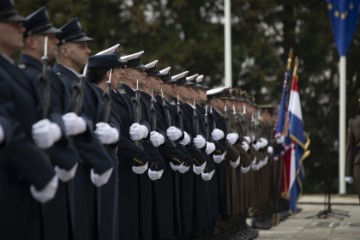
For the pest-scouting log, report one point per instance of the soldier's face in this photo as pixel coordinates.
(155, 84)
(39, 40)
(11, 37)
(77, 53)
(117, 75)
(137, 75)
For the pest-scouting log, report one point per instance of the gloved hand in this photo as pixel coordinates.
(219, 158)
(280, 140)
(247, 139)
(245, 169)
(263, 142)
(175, 163)
(217, 134)
(2, 135)
(139, 167)
(270, 150)
(266, 160)
(210, 148)
(106, 134)
(156, 138)
(183, 168)
(236, 163)
(74, 124)
(207, 176)
(47, 193)
(256, 145)
(186, 140)
(155, 175)
(99, 180)
(349, 179)
(199, 169)
(173, 133)
(65, 175)
(138, 131)
(254, 165)
(199, 141)
(45, 133)
(245, 146)
(232, 138)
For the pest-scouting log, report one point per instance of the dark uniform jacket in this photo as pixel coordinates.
(21, 163)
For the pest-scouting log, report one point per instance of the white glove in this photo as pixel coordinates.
(263, 142)
(138, 131)
(2, 135)
(47, 193)
(173, 133)
(219, 158)
(245, 169)
(217, 134)
(207, 176)
(140, 169)
(266, 160)
(155, 175)
(99, 180)
(186, 139)
(236, 163)
(156, 138)
(74, 124)
(65, 175)
(106, 134)
(256, 145)
(247, 139)
(174, 167)
(280, 140)
(232, 138)
(349, 179)
(183, 169)
(252, 138)
(199, 141)
(270, 150)
(199, 169)
(45, 133)
(245, 146)
(210, 148)
(254, 166)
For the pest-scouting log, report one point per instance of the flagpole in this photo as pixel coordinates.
(342, 124)
(227, 43)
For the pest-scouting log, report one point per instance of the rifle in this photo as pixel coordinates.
(195, 120)
(180, 114)
(167, 114)
(136, 104)
(44, 81)
(206, 123)
(153, 113)
(107, 99)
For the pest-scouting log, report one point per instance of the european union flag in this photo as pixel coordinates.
(343, 16)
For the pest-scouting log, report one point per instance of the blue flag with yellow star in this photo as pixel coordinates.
(343, 16)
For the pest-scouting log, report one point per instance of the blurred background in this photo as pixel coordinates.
(189, 35)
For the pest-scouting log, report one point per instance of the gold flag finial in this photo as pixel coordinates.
(289, 59)
(296, 64)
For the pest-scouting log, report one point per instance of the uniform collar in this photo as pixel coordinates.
(28, 60)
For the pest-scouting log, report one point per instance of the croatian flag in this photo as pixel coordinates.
(296, 133)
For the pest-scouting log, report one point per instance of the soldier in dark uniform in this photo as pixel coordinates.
(352, 170)
(83, 122)
(186, 178)
(168, 202)
(105, 70)
(141, 132)
(26, 176)
(133, 161)
(63, 154)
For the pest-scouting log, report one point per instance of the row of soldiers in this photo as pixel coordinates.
(121, 150)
